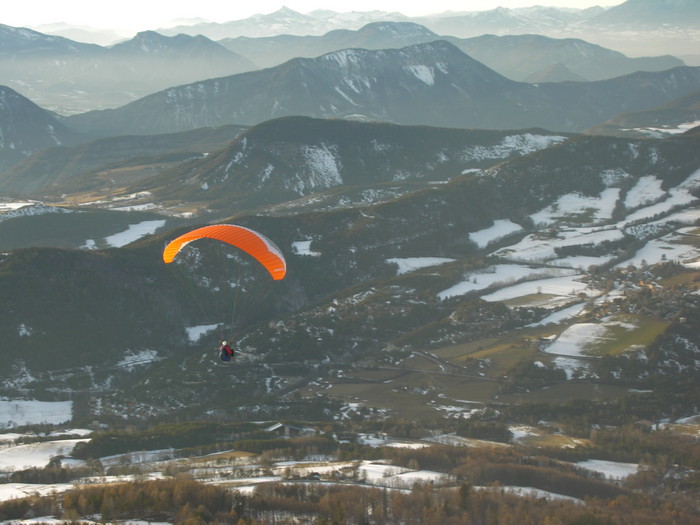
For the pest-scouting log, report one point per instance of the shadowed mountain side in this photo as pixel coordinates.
(672, 118)
(110, 163)
(26, 128)
(294, 157)
(555, 73)
(127, 299)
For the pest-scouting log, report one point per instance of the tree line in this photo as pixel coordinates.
(183, 501)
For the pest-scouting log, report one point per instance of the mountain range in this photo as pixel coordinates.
(418, 84)
(69, 77)
(500, 20)
(72, 77)
(513, 56)
(624, 28)
(433, 84)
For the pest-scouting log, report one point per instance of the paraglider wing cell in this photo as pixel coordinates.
(255, 244)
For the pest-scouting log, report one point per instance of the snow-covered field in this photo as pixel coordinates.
(18, 412)
(134, 233)
(564, 286)
(501, 228)
(10, 491)
(646, 191)
(6, 206)
(667, 248)
(575, 221)
(386, 475)
(507, 274)
(35, 454)
(562, 315)
(610, 469)
(572, 205)
(666, 131)
(537, 248)
(576, 339)
(409, 264)
(531, 492)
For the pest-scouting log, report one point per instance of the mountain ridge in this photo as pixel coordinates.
(69, 77)
(26, 128)
(425, 84)
(514, 56)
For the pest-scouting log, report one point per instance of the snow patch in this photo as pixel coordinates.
(577, 339)
(564, 286)
(574, 207)
(423, 73)
(132, 359)
(409, 264)
(512, 144)
(195, 333)
(610, 469)
(134, 232)
(645, 191)
(304, 248)
(500, 228)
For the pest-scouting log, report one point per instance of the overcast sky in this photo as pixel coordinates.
(137, 15)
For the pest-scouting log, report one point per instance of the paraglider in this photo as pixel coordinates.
(259, 247)
(226, 352)
(255, 244)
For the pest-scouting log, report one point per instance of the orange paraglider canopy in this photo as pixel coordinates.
(251, 242)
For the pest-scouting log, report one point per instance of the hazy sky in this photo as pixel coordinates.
(138, 15)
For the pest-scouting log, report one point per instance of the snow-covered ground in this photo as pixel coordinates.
(523, 144)
(667, 248)
(409, 264)
(529, 492)
(134, 233)
(676, 198)
(384, 474)
(569, 206)
(542, 248)
(565, 286)
(132, 359)
(576, 220)
(18, 412)
(561, 315)
(195, 333)
(666, 131)
(304, 248)
(574, 368)
(6, 206)
(646, 191)
(10, 491)
(610, 469)
(579, 340)
(501, 228)
(507, 274)
(576, 339)
(35, 454)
